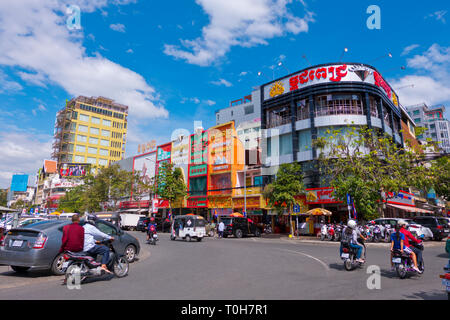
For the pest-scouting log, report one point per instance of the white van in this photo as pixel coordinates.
(188, 227)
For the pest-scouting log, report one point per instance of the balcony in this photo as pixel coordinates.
(276, 121)
(251, 191)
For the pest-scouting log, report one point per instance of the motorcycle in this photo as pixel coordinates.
(267, 228)
(376, 234)
(82, 265)
(338, 233)
(323, 232)
(330, 233)
(152, 238)
(446, 280)
(404, 264)
(349, 257)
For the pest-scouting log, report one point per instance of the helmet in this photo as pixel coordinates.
(90, 218)
(351, 224)
(403, 223)
(152, 219)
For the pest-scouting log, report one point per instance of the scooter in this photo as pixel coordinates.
(404, 264)
(152, 238)
(349, 257)
(330, 233)
(82, 266)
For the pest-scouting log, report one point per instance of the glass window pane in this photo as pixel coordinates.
(95, 120)
(105, 133)
(94, 130)
(80, 148)
(104, 143)
(102, 162)
(91, 160)
(285, 144)
(81, 138)
(92, 150)
(93, 140)
(107, 123)
(79, 159)
(82, 128)
(304, 140)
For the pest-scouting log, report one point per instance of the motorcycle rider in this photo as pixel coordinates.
(398, 243)
(409, 237)
(93, 247)
(151, 228)
(361, 239)
(350, 236)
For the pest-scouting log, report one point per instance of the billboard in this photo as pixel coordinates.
(19, 183)
(145, 164)
(221, 148)
(73, 170)
(332, 73)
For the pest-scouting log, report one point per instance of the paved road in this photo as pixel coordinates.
(250, 268)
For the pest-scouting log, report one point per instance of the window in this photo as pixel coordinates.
(286, 144)
(333, 104)
(95, 120)
(93, 140)
(105, 133)
(417, 120)
(373, 107)
(304, 140)
(81, 138)
(84, 117)
(249, 109)
(79, 159)
(302, 110)
(103, 162)
(416, 112)
(92, 150)
(103, 152)
(82, 128)
(91, 160)
(258, 181)
(278, 116)
(107, 123)
(94, 131)
(80, 148)
(103, 227)
(104, 143)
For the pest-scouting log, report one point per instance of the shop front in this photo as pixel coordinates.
(402, 205)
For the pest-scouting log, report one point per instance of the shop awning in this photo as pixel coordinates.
(410, 209)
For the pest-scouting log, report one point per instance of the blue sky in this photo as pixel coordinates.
(174, 62)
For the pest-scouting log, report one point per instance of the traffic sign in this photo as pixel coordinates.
(296, 208)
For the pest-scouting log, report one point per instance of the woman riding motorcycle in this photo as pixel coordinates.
(398, 243)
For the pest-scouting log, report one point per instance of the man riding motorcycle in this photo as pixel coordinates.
(409, 237)
(151, 228)
(350, 236)
(93, 247)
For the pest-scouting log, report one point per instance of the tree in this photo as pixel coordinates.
(281, 192)
(440, 169)
(19, 204)
(3, 197)
(170, 184)
(73, 200)
(364, 164)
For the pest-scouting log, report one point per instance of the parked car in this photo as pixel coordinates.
(37, 245)
(27, 221)
(239, 227)
(142, 224)
(438, 226)
(418, 230)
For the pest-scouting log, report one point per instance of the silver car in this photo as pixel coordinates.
(37, 245)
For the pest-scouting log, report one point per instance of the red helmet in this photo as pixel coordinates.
(152, 219)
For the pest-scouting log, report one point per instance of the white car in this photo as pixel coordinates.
(418, 230)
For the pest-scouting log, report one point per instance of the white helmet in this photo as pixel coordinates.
(351, 224)
(402, 222)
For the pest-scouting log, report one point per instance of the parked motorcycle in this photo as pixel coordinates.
(85, 266)
(446, 280)
(404, 264)
(377, 236)
(323, 232)
(267, 228)
(338, 233)
(349, 257)
(330, 233)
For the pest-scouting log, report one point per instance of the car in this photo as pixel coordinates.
(438, 226)
(27, 221)
(142, 224)
(163, 224)
(418, 230)
(37, 245)
(239, 227)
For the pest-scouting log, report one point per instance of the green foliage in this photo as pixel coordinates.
(440, 177)
(363, 163)
(288, 184)
(170, 183)
(3, 197)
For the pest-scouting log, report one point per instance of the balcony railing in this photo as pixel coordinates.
(250, 191)
(338, 109)
(277, 121)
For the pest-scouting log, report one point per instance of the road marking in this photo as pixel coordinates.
(311, 257)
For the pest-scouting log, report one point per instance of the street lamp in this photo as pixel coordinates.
(384, 55)
(304, 57)
(280, 64)
(260, 73)
(343, 52)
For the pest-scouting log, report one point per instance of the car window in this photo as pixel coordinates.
(103, 227)
(226, 221)
(442, 221)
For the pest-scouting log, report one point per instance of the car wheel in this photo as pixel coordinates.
(57, 265)
(188, 238)
(130, 253)
(238, 233)
(20, 269)
(257, 233)
(199, 239)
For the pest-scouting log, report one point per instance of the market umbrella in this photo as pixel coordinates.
(236, 214)
(55, 213)
(319, 212)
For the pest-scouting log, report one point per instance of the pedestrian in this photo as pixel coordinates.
(221, 228)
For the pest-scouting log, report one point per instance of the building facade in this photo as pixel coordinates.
(432, 119)
(90, 131)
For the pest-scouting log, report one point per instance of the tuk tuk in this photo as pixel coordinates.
(113, 217)
(188, 227)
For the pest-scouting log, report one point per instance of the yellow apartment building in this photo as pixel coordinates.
(90, 131)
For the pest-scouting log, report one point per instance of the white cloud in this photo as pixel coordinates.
(130, 51)
(8, 86)
(38, 41)
(243, 73)
(37, 79)
(408, 49)
(22, 152)
(243, 23)
(431, 79)
(117, 27)
(222, 82)
(210, 102)
(438, 15)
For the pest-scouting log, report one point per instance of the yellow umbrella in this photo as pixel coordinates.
(236, 214)
(55, 213)
(319, 212)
